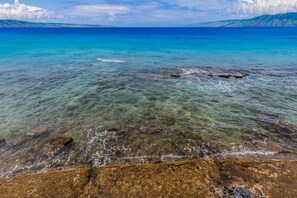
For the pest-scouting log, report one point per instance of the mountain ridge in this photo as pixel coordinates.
(277, 20)
(10, 23)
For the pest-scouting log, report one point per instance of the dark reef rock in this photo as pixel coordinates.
(175, 74)
(2, 140)
(38, 131)
(235, 192)
(229, 75)
(204, 72)
(56, 145)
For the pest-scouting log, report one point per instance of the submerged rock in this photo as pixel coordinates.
(56, 145)
(229, 75)
(115, 133)
(205, 72)
(286, 128)
(175, 74)
(2, 140)
(38, 131)
(16, 140)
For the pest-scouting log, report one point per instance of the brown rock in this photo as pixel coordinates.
(38, 131)
(56, 145)
(293, 135)
(60, 142)
(252, 176)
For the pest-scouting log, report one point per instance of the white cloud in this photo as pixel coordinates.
(201, 4)
(259, 7)
(22, 11)
(97, 10)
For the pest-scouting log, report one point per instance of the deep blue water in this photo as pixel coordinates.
(82, 82)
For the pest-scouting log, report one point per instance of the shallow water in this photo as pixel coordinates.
(83, 82)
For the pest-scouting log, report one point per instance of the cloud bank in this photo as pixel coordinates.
(22, 11)
(259, 7)
(97, 10)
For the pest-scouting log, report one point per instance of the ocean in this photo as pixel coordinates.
(110, 90)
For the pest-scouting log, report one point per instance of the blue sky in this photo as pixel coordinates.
(140, 12)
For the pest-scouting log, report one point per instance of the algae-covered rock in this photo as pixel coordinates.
(267, 176)
(240, 176)
(59, 184)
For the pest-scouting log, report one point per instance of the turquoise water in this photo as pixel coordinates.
(83, 82)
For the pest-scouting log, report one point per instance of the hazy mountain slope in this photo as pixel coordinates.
(24, 24)
(278, 20)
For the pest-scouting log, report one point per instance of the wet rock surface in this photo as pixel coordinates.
(225, 176)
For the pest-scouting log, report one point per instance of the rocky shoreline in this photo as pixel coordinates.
(220, 176)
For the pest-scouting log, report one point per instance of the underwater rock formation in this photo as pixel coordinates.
(177, 73)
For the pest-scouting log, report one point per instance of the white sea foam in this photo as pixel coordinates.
(247, 152)
(105, 60)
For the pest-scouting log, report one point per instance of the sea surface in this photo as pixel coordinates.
(110, 90)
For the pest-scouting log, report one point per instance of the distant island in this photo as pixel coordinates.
(278, 20)
(26, 24)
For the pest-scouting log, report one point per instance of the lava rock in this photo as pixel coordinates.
(38, 131)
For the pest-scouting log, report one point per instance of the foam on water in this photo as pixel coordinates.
(110, 60)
